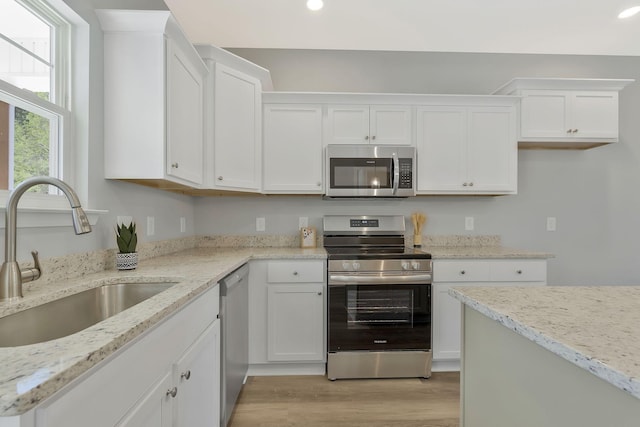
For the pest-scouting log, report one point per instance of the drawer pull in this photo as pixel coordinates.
(172, 392)
(319, 293)
(186, 375)
(463, 272)
(295, 273)
(519, 271)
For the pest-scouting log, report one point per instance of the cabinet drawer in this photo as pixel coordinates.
(295, 271)
(461, 271)
(519, 271)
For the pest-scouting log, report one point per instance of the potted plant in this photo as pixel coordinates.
(127, 240)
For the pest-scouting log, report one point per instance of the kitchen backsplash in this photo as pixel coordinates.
(77, 265)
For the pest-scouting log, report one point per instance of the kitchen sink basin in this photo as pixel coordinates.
(68, 315)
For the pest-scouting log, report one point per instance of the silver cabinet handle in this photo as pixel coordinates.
(220, 178)
(575, 131)
(186, 375)
(464, 184)
(373, 137)
(172, 392)
(471, 184)
(174, 165)
(569, 130)
(366, 138)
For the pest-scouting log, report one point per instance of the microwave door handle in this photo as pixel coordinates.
(396, 172)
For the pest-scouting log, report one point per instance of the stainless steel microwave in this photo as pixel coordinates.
(370, 171)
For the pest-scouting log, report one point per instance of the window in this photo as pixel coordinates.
(34, 51)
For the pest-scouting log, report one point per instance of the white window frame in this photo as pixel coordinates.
(58, 108)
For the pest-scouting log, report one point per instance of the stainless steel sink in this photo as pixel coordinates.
(71, 314)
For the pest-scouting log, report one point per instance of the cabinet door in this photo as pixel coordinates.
(347, 124)
(441, 149)
(544, 114)
(292, 149)
(594, 114)
(492, 156)
(185, 110)
(446, 324)
(237, 129)
(390, 125)
(197, 376)
(295, 322)
(155, 408)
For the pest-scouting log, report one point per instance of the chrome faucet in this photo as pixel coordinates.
(11, 277)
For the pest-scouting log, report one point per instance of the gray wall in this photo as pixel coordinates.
(594, 194)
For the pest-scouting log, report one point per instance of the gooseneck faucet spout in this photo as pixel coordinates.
(11, 277)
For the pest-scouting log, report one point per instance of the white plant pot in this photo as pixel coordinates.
(127, 261)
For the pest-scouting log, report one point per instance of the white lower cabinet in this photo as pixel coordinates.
(287, 317)
(446, 310)
(295, 322)
(168, 377)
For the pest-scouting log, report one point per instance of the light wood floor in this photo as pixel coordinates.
(314, 401)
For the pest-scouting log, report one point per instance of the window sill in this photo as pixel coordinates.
(50, 217)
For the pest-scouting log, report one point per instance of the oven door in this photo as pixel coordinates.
(375, 317)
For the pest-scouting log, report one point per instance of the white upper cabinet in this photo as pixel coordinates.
(364, 124)
(233, 111)
(292, 155)
(153, 97)
(467, 149)
(567, 113)
(237, 151)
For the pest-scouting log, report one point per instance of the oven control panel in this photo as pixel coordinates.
(361, 223)
(380, 265)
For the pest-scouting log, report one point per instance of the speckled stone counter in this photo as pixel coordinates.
(595, 328)
(482, 252)
(31, 373)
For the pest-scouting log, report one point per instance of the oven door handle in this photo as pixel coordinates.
(340, 279)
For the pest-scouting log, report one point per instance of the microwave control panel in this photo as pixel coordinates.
(406, 173)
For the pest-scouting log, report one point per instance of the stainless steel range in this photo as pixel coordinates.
(379, 322)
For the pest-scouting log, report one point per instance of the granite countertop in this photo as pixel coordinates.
(34, 372)
(31, 373)
(594, 327)
(482, 252)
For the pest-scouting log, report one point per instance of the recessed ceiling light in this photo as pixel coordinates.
(315, 4)
(628, 13)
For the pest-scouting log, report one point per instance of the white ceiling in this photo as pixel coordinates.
(511, 26)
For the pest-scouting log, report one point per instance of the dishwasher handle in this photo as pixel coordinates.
(233, 279)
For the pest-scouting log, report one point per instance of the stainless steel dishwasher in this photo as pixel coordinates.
(234, 315)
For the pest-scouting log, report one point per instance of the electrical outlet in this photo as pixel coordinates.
(260, 224)
(468, 223)
(151, 225)
(551, 223)
(303, 221)
(183, 224)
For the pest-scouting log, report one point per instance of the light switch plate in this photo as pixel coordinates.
(151, 225)
(183, 224)
(468, 223)
(260, 224)
(303, 221)
(551, 223)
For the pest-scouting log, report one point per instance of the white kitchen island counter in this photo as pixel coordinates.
(550, 356)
